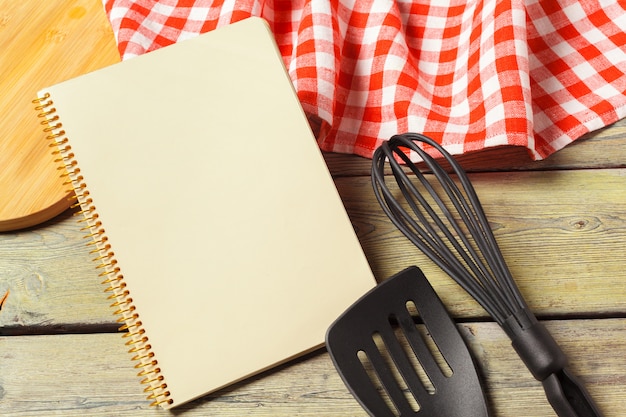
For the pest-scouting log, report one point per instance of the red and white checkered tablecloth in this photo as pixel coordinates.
(471, 74)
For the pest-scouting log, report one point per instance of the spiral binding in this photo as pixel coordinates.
(138, 342)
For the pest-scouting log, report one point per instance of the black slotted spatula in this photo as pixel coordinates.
(394, 368)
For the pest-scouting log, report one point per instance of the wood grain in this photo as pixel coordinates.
(71, 375)
(53, 283)
(41, 43)
(561, 224)
(561, 232)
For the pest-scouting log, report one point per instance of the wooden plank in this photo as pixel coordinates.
(51, 279)
(604, 148)
(75, 374)
(562, 233)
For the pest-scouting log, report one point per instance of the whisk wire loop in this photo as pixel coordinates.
(479, 267)
(410, 191)
(485, 259)
(481, 231)
(404, 221)
(423, 234)
(477, 277)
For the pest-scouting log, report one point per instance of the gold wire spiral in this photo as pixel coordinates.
(104, 258)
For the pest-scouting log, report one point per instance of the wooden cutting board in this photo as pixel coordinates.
(41, 43)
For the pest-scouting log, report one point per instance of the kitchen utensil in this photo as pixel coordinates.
(444, 218)
(388, 364)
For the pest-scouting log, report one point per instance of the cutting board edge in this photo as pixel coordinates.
(36, 218)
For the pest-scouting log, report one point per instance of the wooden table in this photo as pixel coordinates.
(561, 224)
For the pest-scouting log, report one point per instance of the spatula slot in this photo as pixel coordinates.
(429, 341)
(401, 383)
(377, 383)
(414, 361)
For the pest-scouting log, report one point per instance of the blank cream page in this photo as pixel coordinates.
(225, 222)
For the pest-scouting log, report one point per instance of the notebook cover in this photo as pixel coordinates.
(225, 223)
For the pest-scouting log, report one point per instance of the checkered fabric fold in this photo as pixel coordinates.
(470, 74)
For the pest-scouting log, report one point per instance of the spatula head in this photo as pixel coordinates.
(400, 353)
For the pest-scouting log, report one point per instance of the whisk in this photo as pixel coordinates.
(445, 220)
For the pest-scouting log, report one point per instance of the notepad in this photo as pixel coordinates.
(212, 216)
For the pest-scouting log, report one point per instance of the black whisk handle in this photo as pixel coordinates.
(548, 364)
(538, 349)
(568, 396)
